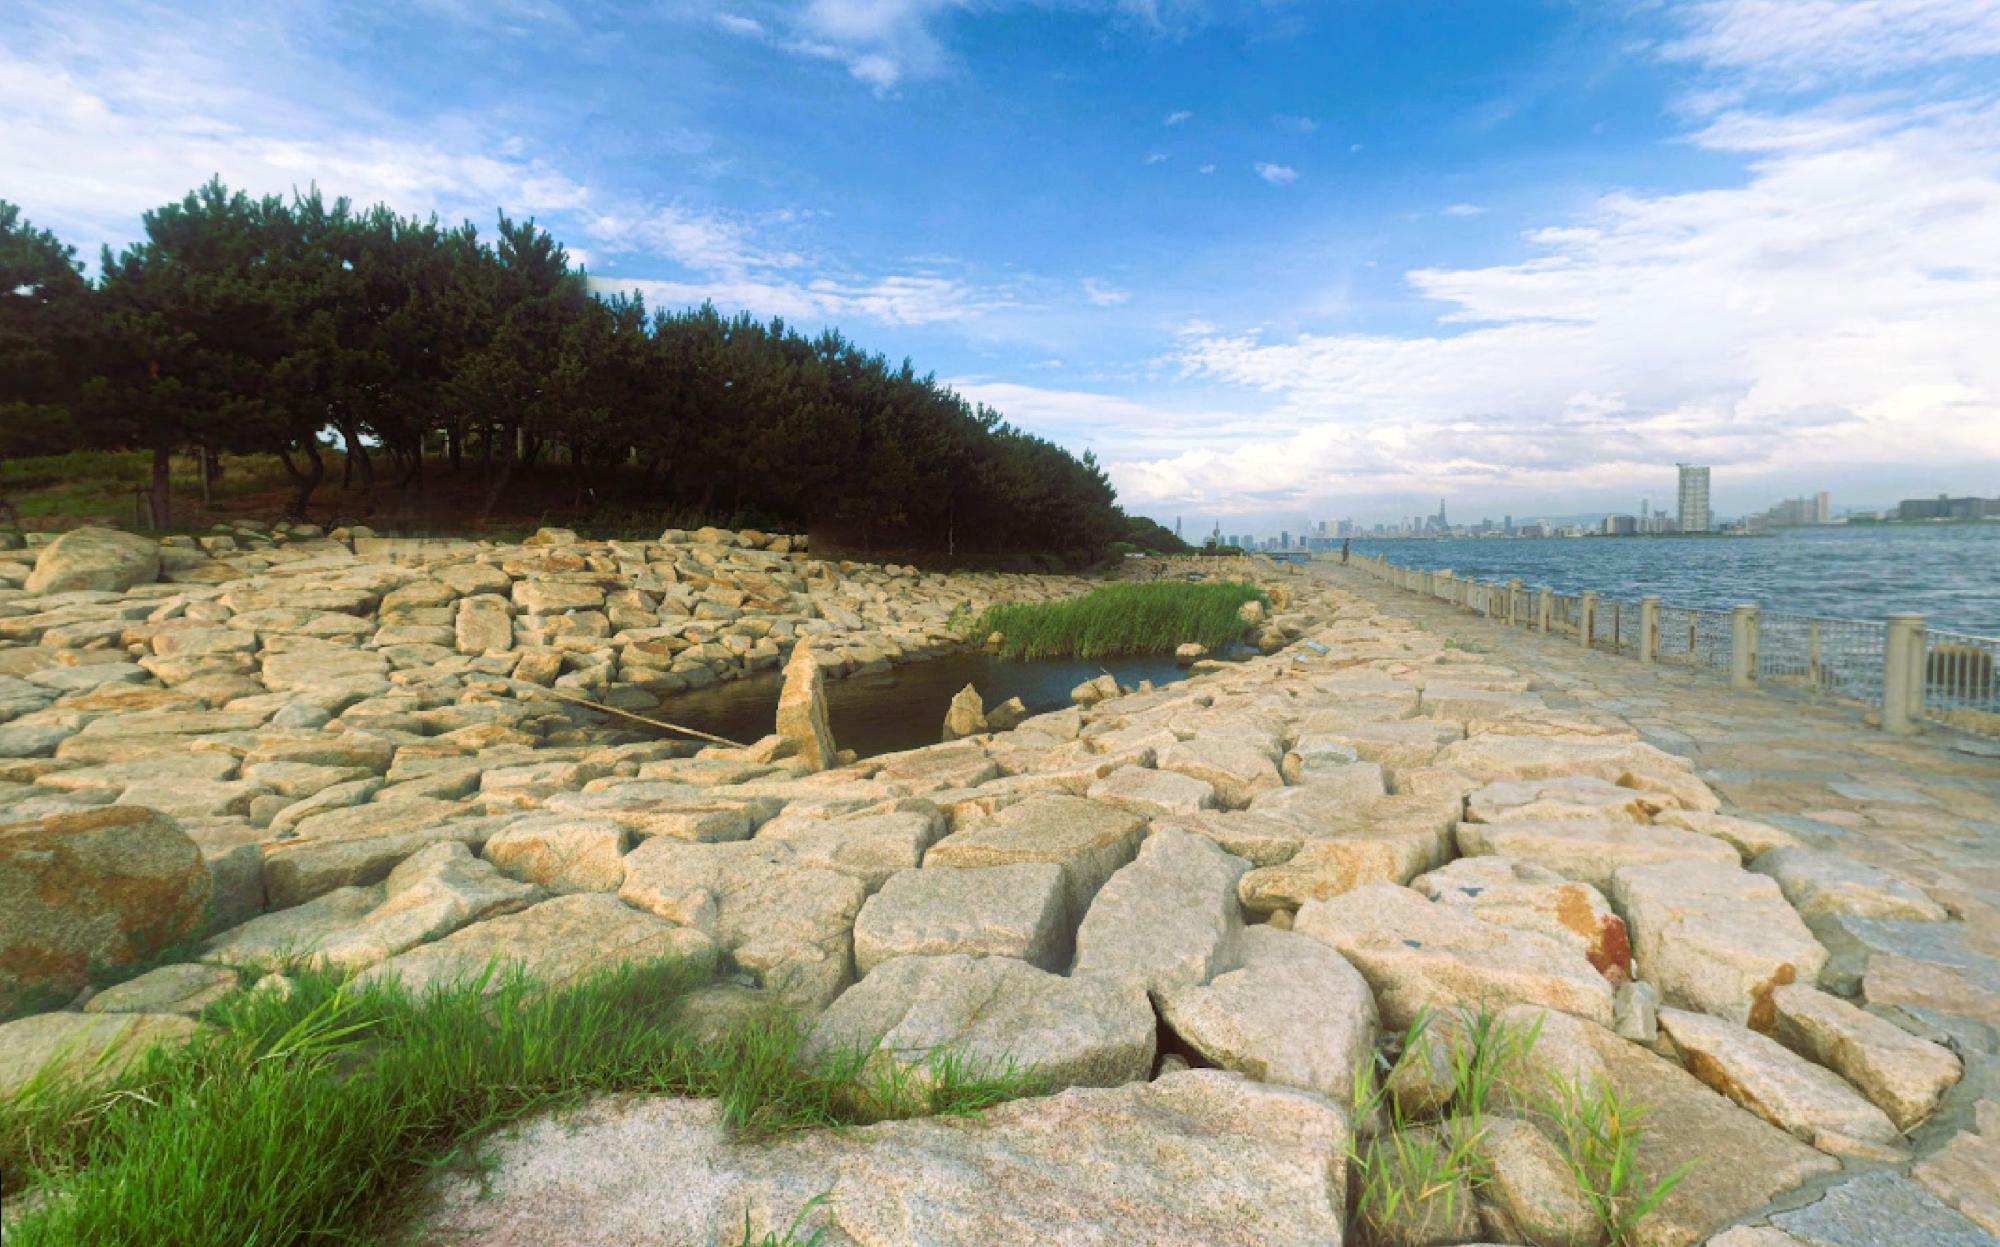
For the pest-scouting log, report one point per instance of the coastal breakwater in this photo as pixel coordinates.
(1197, 911)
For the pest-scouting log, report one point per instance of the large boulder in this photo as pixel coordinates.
(558, 942)
(789, 925)
(993, 911)
(1087, 839)
(97, 889)
(1292, 1011)
(82, 1047)
(1785, 1089)
(1197, 1157)
(966, 716)
(1419, 955)
(1508, 893)
(1169, 919)
(94, 558)
(1904, 1075)
(1715, 938)
(993, 1013)
(435, 892)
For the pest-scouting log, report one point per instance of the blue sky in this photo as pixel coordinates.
(1273, 260)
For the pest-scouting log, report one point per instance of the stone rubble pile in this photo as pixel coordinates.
(1264, 871)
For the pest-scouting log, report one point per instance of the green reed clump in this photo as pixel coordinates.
(303, 1118)
(1121, 619)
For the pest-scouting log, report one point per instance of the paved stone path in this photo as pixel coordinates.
(1926, 807)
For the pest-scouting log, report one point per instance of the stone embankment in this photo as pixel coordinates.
(1196, 910)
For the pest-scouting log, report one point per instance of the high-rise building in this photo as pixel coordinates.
(1443, 526)
(1823, 507)
(1694, 515)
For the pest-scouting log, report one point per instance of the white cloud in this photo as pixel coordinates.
(1299, 125)
(1208, 168)
(901, 299)
(1156, 158)
(1103, 294)
(736, 24)
(1835, 310)
(1176, 117)
(1275, 174)
(1813, 42)
(1463, 210)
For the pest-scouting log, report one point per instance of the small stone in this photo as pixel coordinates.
(1635, 1012)
(966, 716)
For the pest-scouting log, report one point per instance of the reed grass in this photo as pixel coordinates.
(1122, 619)
(304, 1118)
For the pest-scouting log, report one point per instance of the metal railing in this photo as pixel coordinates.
(1912, 673)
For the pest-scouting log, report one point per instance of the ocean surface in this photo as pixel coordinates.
(1947, 572)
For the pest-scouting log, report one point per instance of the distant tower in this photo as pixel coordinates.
(1443, 525)
(1694, 516)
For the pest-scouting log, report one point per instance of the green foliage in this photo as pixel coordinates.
(286, 328)
(789, 1236)
(1599, 1134)
(1412, 1172)
(301, 1117)
(1120, 619)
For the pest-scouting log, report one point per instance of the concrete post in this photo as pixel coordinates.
(1514, 602)
(1903, 674)
(1743, 646)
(1446, 589)
(1649, 630)
(1586, 618)
(1545, 609)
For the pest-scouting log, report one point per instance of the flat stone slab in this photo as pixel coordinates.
(1237, 770)
(991, 911)
(1563, 797)
(1511, 893)
(1590, 849)
(1155, 794)
(870, 847)
(1418, 955)
(1715, 938)
(1904, 1075)
(558, 941)
(1292, 1012)
(1199, 1157)
(1823, 884)
(1088, 840)
(1743, 1162)
(186, 989)
(1167, 919)
(995, 1013)
(791, 926)
(1783, 1088)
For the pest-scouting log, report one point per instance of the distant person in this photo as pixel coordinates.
(1343, 549)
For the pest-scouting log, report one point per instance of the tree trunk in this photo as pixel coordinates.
(160, 502)
(454, 443)
(306, 481)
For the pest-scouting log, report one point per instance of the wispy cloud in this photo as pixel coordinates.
(1296, 124)
(1176, 117)
(1804, 43)
(1463, 210)
(1104, 294)
(1277, 175)
(1845, 295)
(1156, 158)
(1208, 169)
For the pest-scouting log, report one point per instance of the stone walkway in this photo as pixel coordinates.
(1926, 807)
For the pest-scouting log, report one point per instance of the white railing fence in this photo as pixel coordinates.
(1913, 673)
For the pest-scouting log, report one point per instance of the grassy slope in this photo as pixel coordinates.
(302, 1118)
(1122, 619)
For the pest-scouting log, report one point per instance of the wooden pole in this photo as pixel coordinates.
(536, 690)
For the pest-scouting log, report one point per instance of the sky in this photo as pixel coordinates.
(1273, 261)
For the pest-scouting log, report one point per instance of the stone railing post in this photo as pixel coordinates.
(1649, 630)
(1545, 609)
(1743, 646)
(1586, 618)
(1514, 602)
(1445, 588)
(1903, 674)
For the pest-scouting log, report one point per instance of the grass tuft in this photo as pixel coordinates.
(302, 1117)
(1122, 619)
